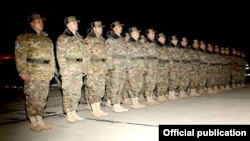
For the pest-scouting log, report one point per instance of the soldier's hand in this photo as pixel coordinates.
(66, 74)
(25, 77)
(90, 72)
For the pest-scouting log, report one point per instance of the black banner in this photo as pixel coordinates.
(204, 132)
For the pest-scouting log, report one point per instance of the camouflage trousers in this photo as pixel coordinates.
(117, 81)
(125, 92)
(71, 86)
(150, 81)
(36, 93)
(162, 79)
(184, 76)
(95, 87)
(203, 75)
(108, 87)
(194, 76)
(211, 80)
(135, 82)
(174, 76)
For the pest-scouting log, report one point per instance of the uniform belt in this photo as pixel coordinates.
(185, 61)
(97, 60)
(163, 61)
(119, 57)
(176, 61)
(151, 57)
(74, 59)
(38, 61)
(204, 63)
(136, 58)
(195, 60)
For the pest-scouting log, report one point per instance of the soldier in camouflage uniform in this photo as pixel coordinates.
(186, 67)
(162, 68)
(218, 68)
(136, 67)
(243, 69)
(117, 64)
(228, 69)
(195, 73)
(73, 62)
(151, 55)
(95, 81)
(35, 63)
(175, 64)
(211, 68)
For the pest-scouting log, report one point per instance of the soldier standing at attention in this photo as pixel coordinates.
(35, 63)
(117, 64)
(95, 81)
(72, 58)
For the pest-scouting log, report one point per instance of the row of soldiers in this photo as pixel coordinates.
(121, 69)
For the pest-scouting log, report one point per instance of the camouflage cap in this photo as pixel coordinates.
(34, 17)
(70, 19)
(161, 35)
(142, 36)
(116, 23)
(184, 39)
(173, 37)
(150, 30)
(133, 29)
(96, 24)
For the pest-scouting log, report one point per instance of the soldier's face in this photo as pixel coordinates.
(196, 45)
(98, 30)
(118, 30)
(151, 35)
(37, 25)
(203, 46)
(184, 43)
(72, 26)
(162, 40)
(174, 42)
(135, 35)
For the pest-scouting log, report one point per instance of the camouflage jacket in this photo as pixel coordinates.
(98, 53)
(116, 52)
(136, 54)
(72, 53)
(33, 46)
(151, 54)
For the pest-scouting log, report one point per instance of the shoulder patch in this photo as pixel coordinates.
(17, 45)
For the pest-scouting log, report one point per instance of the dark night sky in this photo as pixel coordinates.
(215, 23)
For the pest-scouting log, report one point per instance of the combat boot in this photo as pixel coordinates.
(228, 87)
(210, 91)
(126, 101)
(41, 123)
(134, 103)
(34, 124)
(77, 117)
(70, 118)
(101, 112)
(151, 101)
(193, 93)
(161, 98)
(216, 90)
(172, 95)
(183, 95)
(140, 104)
(95, 111)
(122, 108)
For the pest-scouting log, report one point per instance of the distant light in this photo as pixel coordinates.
(247, 65)
(247, 68)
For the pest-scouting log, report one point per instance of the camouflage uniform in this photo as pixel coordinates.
(35, 58)
(163, 71)
(116, 52)
(72, 59)
(98, 54)
(35, 63)
(151, 61)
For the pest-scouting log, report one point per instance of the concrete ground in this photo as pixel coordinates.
(228, 107)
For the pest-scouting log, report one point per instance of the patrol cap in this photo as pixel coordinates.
(196, 41)
(126, 34)
(116, 23)
(173, 37)
(184, 39)
(142, 36)
(150, 30)
(34, 17)
(96, 24)
(70, 19)
(161, 35)
(133, 29)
